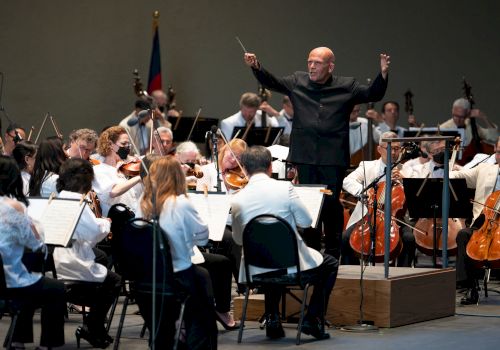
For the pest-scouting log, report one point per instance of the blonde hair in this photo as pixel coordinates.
(237, 145)
(166, 179)
(107, 138)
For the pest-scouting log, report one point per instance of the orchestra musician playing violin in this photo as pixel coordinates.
(82, 143)
(110, 182)
(24, 153)
(188, 154)
(163, 142)
(485, 178)
(49, 158)
(354, 184)
(319, 142)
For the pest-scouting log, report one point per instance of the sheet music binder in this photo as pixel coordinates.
(58, 217)
(257, 135)
(182, 127)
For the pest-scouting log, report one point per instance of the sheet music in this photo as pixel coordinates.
(58, 218)
(278, 151)
(214, 210)
(312, 197)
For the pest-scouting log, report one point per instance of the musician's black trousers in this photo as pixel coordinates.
(466, 270)
(332, 212)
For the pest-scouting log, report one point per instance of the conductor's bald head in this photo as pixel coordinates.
(320, 64)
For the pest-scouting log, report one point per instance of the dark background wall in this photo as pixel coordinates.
(75, 58)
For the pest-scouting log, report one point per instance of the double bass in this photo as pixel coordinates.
(360, 239)
(476, 145)
(484, 245)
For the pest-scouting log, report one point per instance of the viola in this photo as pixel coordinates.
(131, 168)
(360, 236)
(235, 179)
(484, 245)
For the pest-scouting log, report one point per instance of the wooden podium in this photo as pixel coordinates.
(408, 296)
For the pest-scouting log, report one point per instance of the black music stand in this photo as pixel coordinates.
(258, 136)
(428, 203)
(181, 127)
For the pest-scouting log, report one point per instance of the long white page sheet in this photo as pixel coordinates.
(58, 218)
(214, 210)
(312, 197)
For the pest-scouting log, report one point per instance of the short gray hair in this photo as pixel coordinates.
(462, 103)
(187, 146)
(164, 129)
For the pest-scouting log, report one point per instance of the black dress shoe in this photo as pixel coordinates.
(471, 298)
(313, 327)
(274, 329)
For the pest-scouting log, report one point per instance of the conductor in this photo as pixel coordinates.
(319, 141)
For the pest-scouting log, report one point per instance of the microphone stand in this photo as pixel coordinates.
(215, 157)
(362, 326)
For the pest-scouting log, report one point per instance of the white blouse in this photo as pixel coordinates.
(105, 178)
(184, 229)
(77, 262)
(15, 234)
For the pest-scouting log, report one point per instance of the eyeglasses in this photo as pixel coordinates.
(393, 149)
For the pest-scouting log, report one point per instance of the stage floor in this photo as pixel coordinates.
(472, 327)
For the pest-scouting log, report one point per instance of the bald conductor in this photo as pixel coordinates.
(319, 141)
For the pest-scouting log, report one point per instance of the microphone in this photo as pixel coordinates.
(354, 125)
(412, 150)
(135, 119)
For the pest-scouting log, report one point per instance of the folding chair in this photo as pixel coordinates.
(134, 256)
(270, 242)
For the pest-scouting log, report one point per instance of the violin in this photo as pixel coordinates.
(132, 168)
(360, 239)
(484, 245)
(235, 179)
(192, 171)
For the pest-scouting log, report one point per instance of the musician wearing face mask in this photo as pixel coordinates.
(485, 178)
(110, 183)
(354, 184)
(435, 167)
(13, 134)
(412, 164)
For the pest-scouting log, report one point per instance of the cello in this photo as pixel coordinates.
(484, 245)
(424, 236)
(360, 239)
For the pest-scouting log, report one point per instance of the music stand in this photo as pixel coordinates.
(257, 135)
(181, 127)
(425, 201)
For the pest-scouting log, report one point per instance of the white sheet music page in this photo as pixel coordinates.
(214, 210)
(312, 197)
(58, 218)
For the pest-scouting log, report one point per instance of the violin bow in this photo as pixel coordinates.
(194, 123)
(41, 127)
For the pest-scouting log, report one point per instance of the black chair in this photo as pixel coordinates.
(9, 305)
(133, 248)
(270, 242)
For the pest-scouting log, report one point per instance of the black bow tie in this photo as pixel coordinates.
(437, 167)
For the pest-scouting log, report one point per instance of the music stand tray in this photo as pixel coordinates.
(258, 136)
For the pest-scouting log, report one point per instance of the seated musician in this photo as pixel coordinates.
(78, 262)
(24, 153)
(411, 165)
(485, 178)
(355, 182)
(390, 116)
(282, 200)
(184, 229)
(435, 167)
(110, 183)
(249, 114)
(82, 143)
(188, 154)
(163, 144)
(461, 113)
(48, 160)
(13, 134)
(357, 140)
(34, 290)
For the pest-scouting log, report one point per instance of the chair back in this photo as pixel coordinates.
(119, 214)
(135, 257)
(3, 284)
(270, 242)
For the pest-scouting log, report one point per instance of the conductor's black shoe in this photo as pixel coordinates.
(274, 329)
(471, 298)
(313, 327)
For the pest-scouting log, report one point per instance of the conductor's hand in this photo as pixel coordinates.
(251, 60)
(384, 64)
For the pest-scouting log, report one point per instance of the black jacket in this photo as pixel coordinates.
(320, 129)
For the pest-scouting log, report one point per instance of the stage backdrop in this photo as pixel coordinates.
(75, 59)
